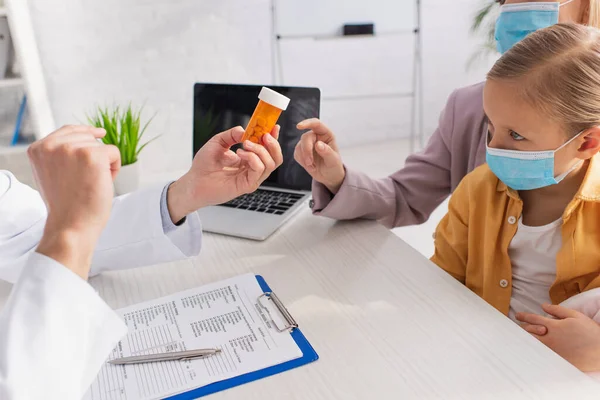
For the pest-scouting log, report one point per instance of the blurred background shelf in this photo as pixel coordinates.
(6, 148)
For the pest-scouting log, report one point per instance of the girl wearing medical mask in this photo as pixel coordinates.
(523, 230)
(457, 147)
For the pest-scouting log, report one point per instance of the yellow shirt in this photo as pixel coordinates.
(471, 242)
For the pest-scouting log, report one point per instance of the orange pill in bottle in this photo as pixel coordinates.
(270, 106)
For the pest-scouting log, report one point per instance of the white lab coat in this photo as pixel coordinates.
(133, 237)
(55, 331)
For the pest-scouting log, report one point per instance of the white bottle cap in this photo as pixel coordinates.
(273, 98)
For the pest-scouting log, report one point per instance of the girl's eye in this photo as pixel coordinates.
(516, 136)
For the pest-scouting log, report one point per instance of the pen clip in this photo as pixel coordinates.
(290, 321)
(190, 358)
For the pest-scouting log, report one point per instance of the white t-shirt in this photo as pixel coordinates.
(532, 253)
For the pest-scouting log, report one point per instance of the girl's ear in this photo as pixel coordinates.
(590, 144)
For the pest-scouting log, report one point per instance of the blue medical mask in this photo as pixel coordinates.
(518, 20)
(526, 170)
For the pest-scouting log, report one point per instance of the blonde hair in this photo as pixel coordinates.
(557, 71)
(594, 14)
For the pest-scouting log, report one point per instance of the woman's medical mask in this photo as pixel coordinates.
(518, 20)
(526, 170)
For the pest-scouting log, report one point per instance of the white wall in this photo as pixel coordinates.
(149, 52)
(152, 51)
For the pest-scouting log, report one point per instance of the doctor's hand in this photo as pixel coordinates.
(218, 174)
(318, 154)
(74, 173)
(571, 334)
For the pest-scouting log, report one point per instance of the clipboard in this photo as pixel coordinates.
(308, 353)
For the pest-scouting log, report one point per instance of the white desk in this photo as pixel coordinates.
(386, 323)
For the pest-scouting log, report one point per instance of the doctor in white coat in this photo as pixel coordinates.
(55, 332)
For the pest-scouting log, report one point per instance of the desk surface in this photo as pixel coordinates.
(386, 323)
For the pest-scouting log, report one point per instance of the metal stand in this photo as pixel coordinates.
(417, 91)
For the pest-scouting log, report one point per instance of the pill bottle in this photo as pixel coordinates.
(270, 106)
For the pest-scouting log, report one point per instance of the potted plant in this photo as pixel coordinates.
(123, 130)
(484, 24)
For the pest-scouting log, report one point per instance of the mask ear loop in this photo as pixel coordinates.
(577, 164)
(565, 3)
(570, 140)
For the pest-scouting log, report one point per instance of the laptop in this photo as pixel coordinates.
(218, 107)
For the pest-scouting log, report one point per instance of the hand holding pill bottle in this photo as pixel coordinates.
(270, 106)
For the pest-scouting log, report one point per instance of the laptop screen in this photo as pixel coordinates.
(220, 107)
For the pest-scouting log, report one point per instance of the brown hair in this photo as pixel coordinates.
(557, 71)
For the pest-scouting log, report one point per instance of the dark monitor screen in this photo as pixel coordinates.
(218, 107)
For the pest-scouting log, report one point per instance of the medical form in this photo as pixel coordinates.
(226, 315)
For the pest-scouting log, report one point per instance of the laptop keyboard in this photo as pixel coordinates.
(265, 201)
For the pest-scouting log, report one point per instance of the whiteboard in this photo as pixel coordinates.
(350, 66)
(327, 17)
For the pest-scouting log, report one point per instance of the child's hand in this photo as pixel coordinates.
(318, 154)
(572, 335)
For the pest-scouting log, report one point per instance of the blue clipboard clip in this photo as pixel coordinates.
(291, 323)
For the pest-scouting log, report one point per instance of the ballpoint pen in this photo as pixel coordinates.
(173, 356)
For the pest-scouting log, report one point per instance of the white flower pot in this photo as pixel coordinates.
(128, 179)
